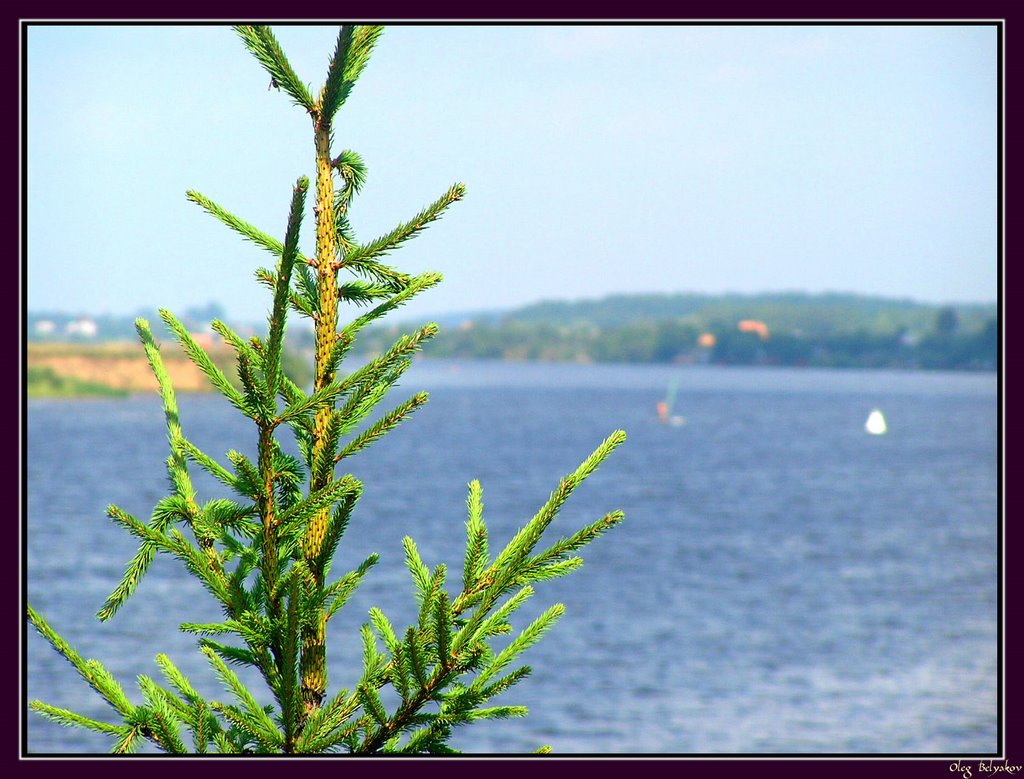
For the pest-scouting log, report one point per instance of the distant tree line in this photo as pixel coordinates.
(825, 330)
(946, 343)
(937, 349)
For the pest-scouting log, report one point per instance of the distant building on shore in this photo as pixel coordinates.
(85, 328)
(754, 326)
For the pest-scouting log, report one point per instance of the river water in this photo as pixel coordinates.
(783, 582)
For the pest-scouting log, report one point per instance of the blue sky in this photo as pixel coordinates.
(597, 160)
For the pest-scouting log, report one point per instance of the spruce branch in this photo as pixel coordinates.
(389, 366)
(318, 501)
(235, 655)
(343, 341)
(431, 595)
(336, 527)
(177, 679)
(476, 559)
(307, 403)
(176, 467)
(272, 363)
(558, 551)
(526, 539)
(177, 470)
(351, 53)
(205, 364)
(240, 226)
(211, 466)
(482, 627)
(486, 692)
(414, 651)
(498, 712)
(90, 670)
(419, 570)
(129, 741)
(343, 589)
(133, 574)
(384, 629)
(254, 719)
(70, 718)
(321, 462)
(351, 168)
(361, 401)
(362, 293)
(166, 512)
(220, 516)
(247, 480)
(260, 40)
(280, 538)
(289, 694)
(386, 243)
(300, 301)
(206, 568)
(165, 725)
(194, 710)
(384, 425)
(326, 728)
(236, 341)
(524, 641)
(256, 393)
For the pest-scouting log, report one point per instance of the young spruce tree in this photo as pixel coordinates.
(266, 555)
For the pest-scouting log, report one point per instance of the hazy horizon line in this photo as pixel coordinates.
(902, 298)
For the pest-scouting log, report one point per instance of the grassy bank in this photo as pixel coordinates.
(120, 368)
(43, 382)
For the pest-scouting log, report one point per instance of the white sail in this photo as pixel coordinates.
(876, 423)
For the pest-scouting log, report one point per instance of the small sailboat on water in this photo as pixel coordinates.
(875, 424)
(665, 415)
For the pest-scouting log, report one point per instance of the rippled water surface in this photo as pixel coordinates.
(783, 581)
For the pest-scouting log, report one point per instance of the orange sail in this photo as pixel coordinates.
(663, 411)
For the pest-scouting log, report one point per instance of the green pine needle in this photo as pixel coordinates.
(240, 226)
(499, 712)
(386, 243)
(307, 403)
(385, 424)
(261, 42)
(479, 627)
(420, 572)
(210, 465)
(476, 538)
(351, 168)
(129, 741)
(526, 539)
(255, 719)
(343, 589)
(347, 335)
(205, 364)
(355, 43)
(93, 673)
(384, 628)
(486, 692)
(133, 574)
(318, 501)
(521, 643)
(272, 363)
(71, 719)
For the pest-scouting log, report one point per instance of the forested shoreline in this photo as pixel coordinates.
(783, 329)
(787, 329)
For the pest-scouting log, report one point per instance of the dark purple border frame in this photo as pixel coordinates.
(1011, 747)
